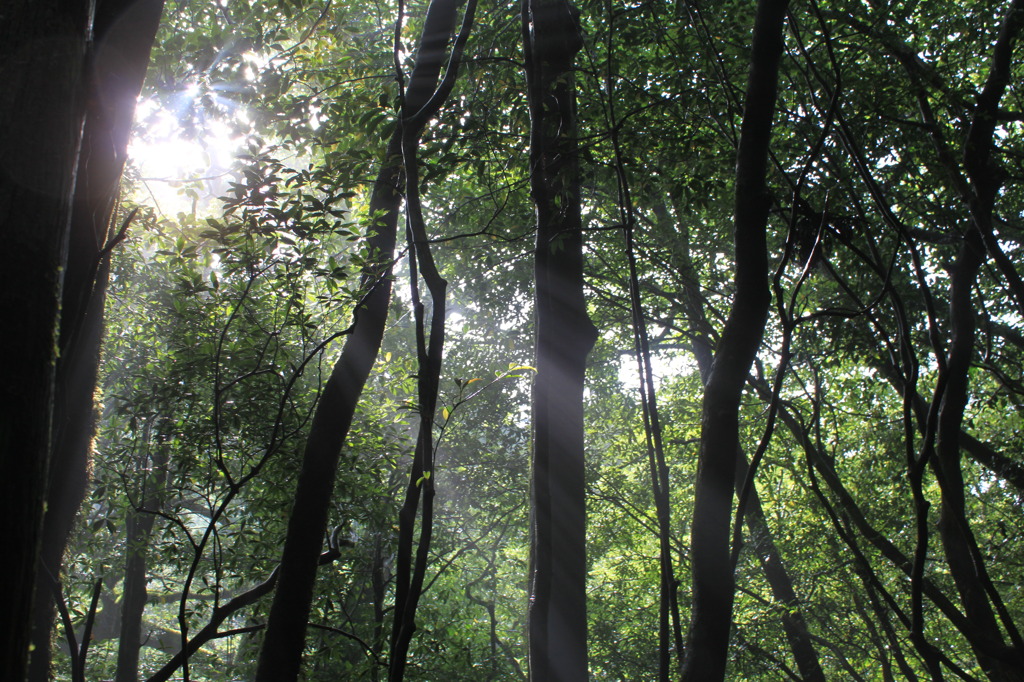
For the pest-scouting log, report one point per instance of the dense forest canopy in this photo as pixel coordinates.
(551, 341)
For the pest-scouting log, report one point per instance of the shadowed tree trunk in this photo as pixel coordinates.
(55, 80)
(794, 624)
(775, 572)
(411, 571)
(153, 474)
(712, 575)
(123, 35)
(980, 599)
(281, 654)
(558, 566)
(42, 55)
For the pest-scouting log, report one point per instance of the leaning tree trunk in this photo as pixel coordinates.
(794, 624)
(707, 645)
(558, 567)
(123, 34)
(42, 61)
(773, 566)
(980, 598)
(281, 654)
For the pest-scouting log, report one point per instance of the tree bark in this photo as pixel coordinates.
(281, 654)
(557, 619)
(775, 572)
(712, 574)
(410, 574)
(123, 34)
(43, 47)
(794, 624)
(966, 564)
(153, 473)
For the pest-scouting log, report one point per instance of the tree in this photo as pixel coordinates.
(280, 655)
(32, 294)
(123, 34)
(67, 117)
(557, 616)
(708, 640)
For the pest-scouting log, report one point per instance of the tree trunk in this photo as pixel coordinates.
(281, 654)
(712, 575)
(966, 563)
(793, 622)
(558, 566)
(419, 496)
(42, 61)
(153, 473)
(123, 37)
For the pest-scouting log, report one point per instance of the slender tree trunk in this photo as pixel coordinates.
(133, 598)
(712, 575)
(43, 48)
(564, 336)
(793, 622)
(853, 516)
(965, 563)
(999, 464)
(978, 595)
(772, 564)
(378, 583)
(281, 654)
(410, 574)
(153, 473)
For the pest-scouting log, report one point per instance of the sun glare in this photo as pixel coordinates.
(183, 169)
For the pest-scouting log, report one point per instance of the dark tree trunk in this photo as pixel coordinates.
(42, 61)
(966, 563)
(712, 575)
(558, 565)
(419, 496)
(378, 583)
(153, 473)
(793, 622)
(123, 35)
(773, 566)
(281, 654)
